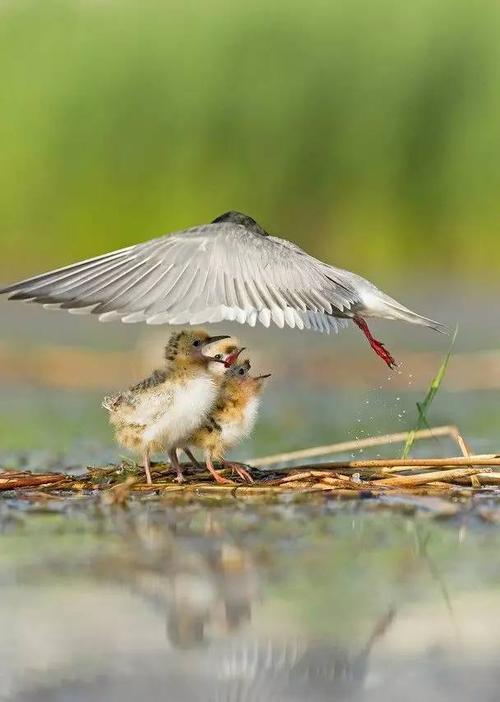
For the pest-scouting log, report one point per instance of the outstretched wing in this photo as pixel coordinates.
(214, 272)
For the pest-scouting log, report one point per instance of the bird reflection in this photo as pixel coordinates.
(206, 584)
(249, 670)
(209, 587)
(210, 598)
(203, 581)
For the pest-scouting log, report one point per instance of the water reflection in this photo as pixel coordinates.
(270, 603)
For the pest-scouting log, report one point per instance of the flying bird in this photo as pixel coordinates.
(230, 269)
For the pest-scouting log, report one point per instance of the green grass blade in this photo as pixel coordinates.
(423, 407)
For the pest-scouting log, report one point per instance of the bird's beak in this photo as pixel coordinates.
(212, 340)
(263, 377)
(233, 357)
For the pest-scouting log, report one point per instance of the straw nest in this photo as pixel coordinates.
(464, 474)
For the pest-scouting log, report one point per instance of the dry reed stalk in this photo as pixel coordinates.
(423, 478)
(346, 483)
(9, 482)
(303, 475)
(377, 465)
(462, 445)
(479, 460)
(397, 438)
(492, 479)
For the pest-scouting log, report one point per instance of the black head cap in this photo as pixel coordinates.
(242, 219)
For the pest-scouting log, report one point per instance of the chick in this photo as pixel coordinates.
(232, 418)
(227, 350)
(162, 411)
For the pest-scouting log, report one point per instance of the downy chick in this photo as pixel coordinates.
(227, 350)
(162, 411)
(231, 419)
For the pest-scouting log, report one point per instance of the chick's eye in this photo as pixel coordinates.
(241, 371)
(218, 356)
(197, 342)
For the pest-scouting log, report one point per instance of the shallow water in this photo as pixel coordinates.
(236, 601)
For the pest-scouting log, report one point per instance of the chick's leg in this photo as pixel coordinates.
(147, 467)
(194, 461)
(175, 464)
(217, 476)
(240, 469)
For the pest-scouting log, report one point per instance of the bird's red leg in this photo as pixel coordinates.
(377, 346)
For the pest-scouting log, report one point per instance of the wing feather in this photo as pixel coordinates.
(209, 273)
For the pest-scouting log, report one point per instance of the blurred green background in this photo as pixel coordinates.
(366, 130)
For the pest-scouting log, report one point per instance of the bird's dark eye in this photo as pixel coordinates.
(218, 356)
(197, 342)
(241, 371)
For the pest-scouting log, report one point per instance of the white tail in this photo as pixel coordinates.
(378, 304)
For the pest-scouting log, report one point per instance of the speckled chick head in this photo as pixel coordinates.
(189, 345)
(240, 373)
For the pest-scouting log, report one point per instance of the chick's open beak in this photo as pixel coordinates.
(212, 340)
(233, 357)
(262, 377)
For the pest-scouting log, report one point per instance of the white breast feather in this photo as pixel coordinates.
(188, 406)
(234, 432)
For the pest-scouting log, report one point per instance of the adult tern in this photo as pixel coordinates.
(230, 269)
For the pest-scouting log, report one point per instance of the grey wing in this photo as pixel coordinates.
(211, 273)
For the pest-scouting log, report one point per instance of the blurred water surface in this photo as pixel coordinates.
(245, 602)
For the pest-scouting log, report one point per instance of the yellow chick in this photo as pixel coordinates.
(227, 350)
(162, 411)
(231, 419)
